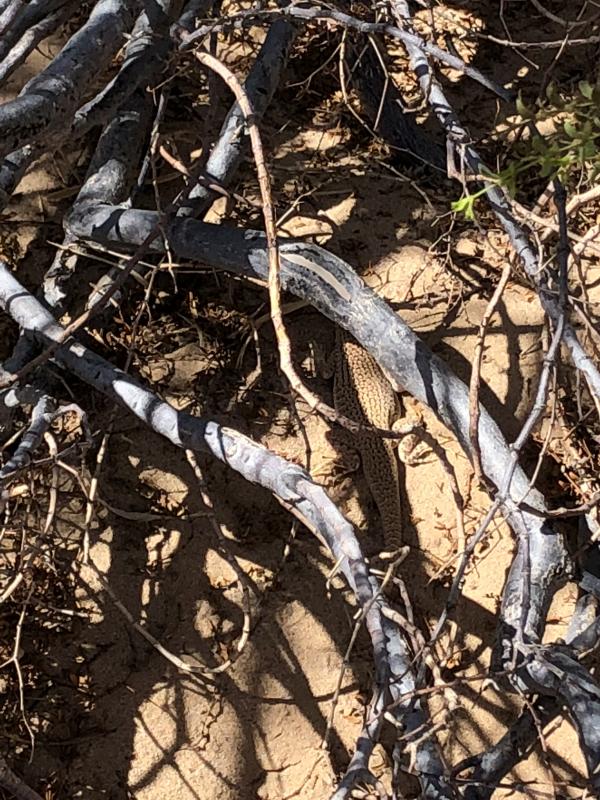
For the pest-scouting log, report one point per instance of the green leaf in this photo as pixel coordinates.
(465, 206)
(522, 108)
(470, 212)
(538, 144)
(570, 130)
(458, 205)
(588, 150)
(586, 89)
(553, 95)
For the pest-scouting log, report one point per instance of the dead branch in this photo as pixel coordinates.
(30, 40)
(41, 418)
(259, 87)
(460, 140)
(55, 109)
(334, 289)
(11, 782)
(289, 483)
(347, 21)
(50, 98)
(383, 105)
(332, 286)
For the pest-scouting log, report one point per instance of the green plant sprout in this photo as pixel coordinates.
(572, 145)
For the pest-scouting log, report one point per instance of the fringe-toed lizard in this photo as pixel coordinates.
(363, 393)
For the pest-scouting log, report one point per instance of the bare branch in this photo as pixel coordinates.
(260, 85)
(288, 482)
(347, 21)
(460, 140)
(11, 782)
(50, 98)
(30, 40)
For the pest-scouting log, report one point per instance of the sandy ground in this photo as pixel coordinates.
(115, 718)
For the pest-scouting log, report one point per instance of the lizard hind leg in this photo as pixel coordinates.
(340, 460)
(334, 468)
(335, 471)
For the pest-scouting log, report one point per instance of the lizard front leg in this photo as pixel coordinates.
(411, 448)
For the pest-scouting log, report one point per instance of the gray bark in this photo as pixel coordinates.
(289, 482)
(30, 40)
(51, 97)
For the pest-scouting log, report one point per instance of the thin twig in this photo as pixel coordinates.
(347, 21)
(476, 371)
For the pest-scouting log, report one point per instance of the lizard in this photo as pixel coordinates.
(362, 392)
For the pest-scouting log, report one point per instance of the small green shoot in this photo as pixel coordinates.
(571, 146)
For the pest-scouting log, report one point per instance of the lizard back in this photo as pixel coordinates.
(362, 392)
